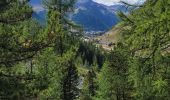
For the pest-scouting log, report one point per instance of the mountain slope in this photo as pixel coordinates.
(40, 17)
(110, 38)
(93, 16)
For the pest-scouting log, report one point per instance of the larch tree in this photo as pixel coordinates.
(59, 76)
(64, 81)
(18, 42)
(147, 35)
(113, 80)
(69, 30)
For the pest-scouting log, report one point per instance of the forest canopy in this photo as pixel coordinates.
(55, 62)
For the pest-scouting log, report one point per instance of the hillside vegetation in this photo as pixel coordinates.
(110, 38)
(55, 62)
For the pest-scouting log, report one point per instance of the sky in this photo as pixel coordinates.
(112, 2)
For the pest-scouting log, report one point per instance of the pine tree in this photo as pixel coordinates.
(89, 86)
(55, 70)
(147, 36)
(69, 31)
(60, 78)
(17, 43)
(71, 82)
(12, 15)
(51, 75)
(112, 80)
(23, 42)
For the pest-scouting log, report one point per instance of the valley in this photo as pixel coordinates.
(84, 49)
(92, 16)
(98, 21)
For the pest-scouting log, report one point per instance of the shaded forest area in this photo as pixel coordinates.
(53, 62)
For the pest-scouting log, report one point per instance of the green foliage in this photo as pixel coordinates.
(147, 36)
(47, 62)
(89, 85)
(59, 75)
(17, 43)
(112, 80)
(91, 54)
(36, 62)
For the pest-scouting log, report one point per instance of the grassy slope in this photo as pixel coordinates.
(110, 37)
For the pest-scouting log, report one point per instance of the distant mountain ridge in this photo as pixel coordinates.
(40, 17)
(93, 16)
(90, 15)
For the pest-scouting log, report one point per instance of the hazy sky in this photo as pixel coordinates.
(111, 2)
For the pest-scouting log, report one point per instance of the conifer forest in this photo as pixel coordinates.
(55, 61)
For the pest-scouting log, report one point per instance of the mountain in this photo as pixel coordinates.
(109, 38)
(40, 17)
(90, 15)
(93, 16)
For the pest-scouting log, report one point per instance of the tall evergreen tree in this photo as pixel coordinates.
(89, 86)
(12, 15)
(71, 82)
(148, 39)
(21, 37)
(69, 30)
(112, 80)
(23, 40)
(65, 87)
(18, 33)
(60, 77)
